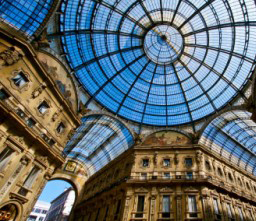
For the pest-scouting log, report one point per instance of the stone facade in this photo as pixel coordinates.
(36, 118)
(166, 177)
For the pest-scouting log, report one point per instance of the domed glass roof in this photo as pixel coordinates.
(160, 62)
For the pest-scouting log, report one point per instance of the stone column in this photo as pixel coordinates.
(178, 207)
(152, 208)
(208, 216)
(126, 208)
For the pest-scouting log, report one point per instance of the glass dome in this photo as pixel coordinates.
(25, 15)
(161, 62)
(232, 136)
(99, 140)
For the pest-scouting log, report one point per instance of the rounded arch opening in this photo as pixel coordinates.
(57, 198)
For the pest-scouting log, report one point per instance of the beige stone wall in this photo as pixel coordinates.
(208, 178)
(35, 148)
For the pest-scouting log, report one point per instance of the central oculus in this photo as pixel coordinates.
(163, 44)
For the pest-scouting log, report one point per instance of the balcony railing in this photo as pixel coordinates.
(164, 178)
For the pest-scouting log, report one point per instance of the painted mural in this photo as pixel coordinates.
(163, 138)
(61, 77)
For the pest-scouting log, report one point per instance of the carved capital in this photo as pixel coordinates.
(43, 160)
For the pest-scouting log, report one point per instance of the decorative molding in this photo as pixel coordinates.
(18, 197)
(9, 57)
(23, 87)
(141, 190)
(42, 160)
(38, 91)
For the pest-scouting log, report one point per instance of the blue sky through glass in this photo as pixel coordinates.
(135, 77)
(53, 189)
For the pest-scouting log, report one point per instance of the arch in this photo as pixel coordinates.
(67, 196)
(226, 135)
(100, 139)
(15, 205)
(102, 112)
(211, 118)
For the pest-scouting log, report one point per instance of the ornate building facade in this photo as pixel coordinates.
(167, 177)
(146, 107)
(37, 113)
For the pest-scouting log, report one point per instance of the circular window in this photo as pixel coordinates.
(163, 44)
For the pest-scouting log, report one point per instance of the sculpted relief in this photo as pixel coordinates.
(163, 138)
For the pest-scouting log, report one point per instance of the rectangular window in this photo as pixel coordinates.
(3, 95)
(216, 206)
(32, 218)
(166, 207)
(43, 107)
(167, 176)
(38, 210)
(5, 157)
(230, 215)
(31, 177)
(98, 213)
(189, 175)
(20, 113)
(188, 162)
(140, 207)
(60, 128)
(240, 214)
(51, 142)
(192, 208)
(166, 163)
(20, 79)
(30, 122)
(106, 215)
(145, 162)
(117, 210)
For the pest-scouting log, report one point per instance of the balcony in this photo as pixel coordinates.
(165, 216)
(177, 178)
(138, 216)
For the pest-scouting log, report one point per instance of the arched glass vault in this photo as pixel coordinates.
(25, 15)
(98, 140)
(160, 62)
(233, 135)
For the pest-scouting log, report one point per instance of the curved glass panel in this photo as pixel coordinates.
(160, 62)
(24, 15)
(97, 141)
(233, 136)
